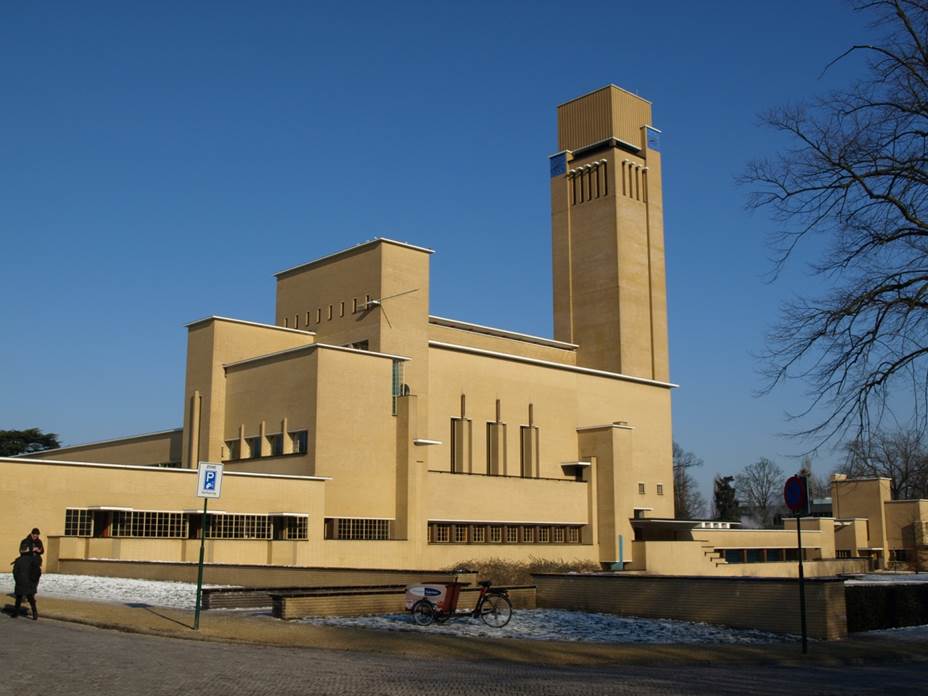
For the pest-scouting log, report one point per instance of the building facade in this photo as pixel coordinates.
(360, 430)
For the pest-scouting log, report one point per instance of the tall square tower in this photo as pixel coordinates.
(608, 235)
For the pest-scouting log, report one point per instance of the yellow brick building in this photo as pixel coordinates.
(360, 430)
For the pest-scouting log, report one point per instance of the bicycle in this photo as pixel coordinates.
(493, 605)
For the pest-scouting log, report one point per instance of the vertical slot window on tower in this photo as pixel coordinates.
(605, 178)
(528, 451)
(319, 315)
(397, 382)
(341, 309)
(460, 445)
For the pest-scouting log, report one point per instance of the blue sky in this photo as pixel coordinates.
(159, 162)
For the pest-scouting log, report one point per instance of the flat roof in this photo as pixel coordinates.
(355, 248)
(600, 89)
(548, 363)
(163, 469)
(103, 442)
(311, 347)
(215, 317)
(501, 333)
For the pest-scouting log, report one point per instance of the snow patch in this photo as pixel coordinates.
(557, 624)
(178, 595)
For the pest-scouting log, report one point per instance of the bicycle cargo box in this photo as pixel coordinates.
(443, 596)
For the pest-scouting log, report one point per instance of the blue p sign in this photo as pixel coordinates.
(209, 481)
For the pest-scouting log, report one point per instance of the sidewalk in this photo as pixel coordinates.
(236, 627)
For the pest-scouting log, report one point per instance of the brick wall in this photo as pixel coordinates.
(769, 604)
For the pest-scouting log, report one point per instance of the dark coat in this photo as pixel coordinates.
(35, 545)
(27, 569)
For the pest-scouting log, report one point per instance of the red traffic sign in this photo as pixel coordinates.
(796, 494)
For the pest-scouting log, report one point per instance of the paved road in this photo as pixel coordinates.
(49, 657)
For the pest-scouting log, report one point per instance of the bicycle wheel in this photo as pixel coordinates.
(423, 613)
(496, 611)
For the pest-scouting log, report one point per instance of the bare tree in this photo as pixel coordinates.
(688, 503)
(819, 486)
(760, 489)
(856, 176)
(901, 456)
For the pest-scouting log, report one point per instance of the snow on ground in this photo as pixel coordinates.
(919, 633)
(181, 595)
(891, 578)
(557, 624)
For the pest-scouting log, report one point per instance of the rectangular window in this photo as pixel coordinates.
(78, 522)
(544, 535)
(557, 535)
(496, 534)
(146, 524)
(774, 555)
(460, 534)
(341, 309)
(734, 555)
(754, 555)
(286, 322)
(529, 451)
(496, 448)
(291, 527)
(573, 535)
(319, 315)
(397, 382)
(660, 489)
(277, 444)
(354, 305)
(254, 446)
(842, 553)
(329, 313)
(528, 535)
(478, 534)
(358, 529)
(238, 526)
(512, 535)
(307, 318)
(460, 445)
(640, 489)
(300, 441)
(442, 533)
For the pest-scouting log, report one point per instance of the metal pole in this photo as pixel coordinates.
(802, 588)
(203, 528)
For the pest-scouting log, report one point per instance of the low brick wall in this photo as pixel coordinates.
(769, 604)
(885, 605)
(254, 576)
(364, 601)
(261, 597)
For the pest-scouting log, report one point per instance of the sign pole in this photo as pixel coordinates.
(203, 529)
(209, 485)
(802, 587)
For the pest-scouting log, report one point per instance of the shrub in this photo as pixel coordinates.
(506, 572)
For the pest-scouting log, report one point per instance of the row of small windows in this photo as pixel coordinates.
(470, 533)
(311, 318)
(588, 182)
(761, 555)
(642, 488)
(149, 524)
(271, 445)
(357, 529)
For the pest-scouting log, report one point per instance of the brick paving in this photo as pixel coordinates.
(47, 657)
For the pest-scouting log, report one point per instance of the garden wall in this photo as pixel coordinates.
(769, 604)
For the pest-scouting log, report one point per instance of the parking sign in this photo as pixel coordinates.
(209, 480)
